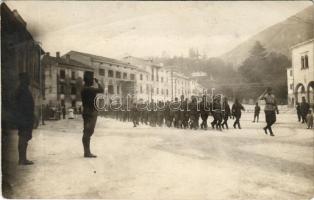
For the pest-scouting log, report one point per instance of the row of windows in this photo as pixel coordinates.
(63, 88)
(304, 62)
(118, 74)
(62, 74)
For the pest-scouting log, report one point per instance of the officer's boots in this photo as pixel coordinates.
(22, 147)
(86, 145)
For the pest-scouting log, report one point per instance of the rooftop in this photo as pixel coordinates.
(101, 58)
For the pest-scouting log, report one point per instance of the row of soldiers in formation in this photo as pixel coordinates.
(182, 114)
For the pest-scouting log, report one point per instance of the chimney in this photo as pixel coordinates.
(67, 56)
(47, 54)
(58, 54)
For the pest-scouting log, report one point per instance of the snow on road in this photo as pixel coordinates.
(162, 163)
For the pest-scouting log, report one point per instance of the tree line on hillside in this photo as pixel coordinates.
(247, 81)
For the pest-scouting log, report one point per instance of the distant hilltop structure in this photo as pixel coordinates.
(198, 74)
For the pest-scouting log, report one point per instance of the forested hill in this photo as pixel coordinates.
(277, 38)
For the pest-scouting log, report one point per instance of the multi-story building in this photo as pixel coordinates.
(19, 53)
(302, 72)
(162, 82)
(63, 81)
(118, 78)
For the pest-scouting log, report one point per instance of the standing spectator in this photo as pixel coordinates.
(257, 110)
(25, 117)
(63, 111)
(298, 108)
(304, 109)
(236, 109)
(270, 108)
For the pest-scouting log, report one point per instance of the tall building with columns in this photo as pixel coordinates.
(301, 74)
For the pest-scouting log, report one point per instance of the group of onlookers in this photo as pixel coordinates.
(305, 113)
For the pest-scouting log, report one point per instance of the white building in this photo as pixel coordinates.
(302, 72)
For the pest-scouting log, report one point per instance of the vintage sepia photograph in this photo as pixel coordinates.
(157, 100)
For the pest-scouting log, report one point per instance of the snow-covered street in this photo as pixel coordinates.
(162, 163)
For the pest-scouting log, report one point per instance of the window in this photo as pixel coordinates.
(157, 91)
(162, 79)
(141, 89)
(302, 62)
(162, 91)
(101, 72)
(167, 92)
(118, 89)
(73, 104)
(73, 75)
(62, 102)
(125, 75)
(132, 77)
(290, 72)
(62, 89)
(110, 73)
(62, 74)
(147, 89)
(152, 90)
(306, 61)
(118, 74)
(291, 86)
(110, 89)
(141, 77)
(73, 89)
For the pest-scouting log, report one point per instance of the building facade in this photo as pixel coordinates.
(117, 77)
(63, 81)
(19, 53)
(290, 87)
(301, 74)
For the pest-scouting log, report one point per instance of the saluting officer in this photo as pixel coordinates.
(88, 94)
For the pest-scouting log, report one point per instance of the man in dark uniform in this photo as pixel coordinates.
(25, 117)
(194, 114)
(237, 110)
(257, 110)
(90, 113)
(176, 110)
(204, 108)
(216, 112)
(135, 115)
(270, 108)
(297, 106)
(225, 113)
(304, 109)
(186, 114)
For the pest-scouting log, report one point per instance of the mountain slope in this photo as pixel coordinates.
(278, 38)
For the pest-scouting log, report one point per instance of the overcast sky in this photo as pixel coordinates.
(144, 29)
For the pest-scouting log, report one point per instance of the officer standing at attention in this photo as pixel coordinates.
(270, 108)
(25, 117)
(90, 113)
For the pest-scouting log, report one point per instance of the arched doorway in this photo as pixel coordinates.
(299, 92)
(310, 92)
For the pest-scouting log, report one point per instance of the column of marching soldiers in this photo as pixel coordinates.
(180, 113)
